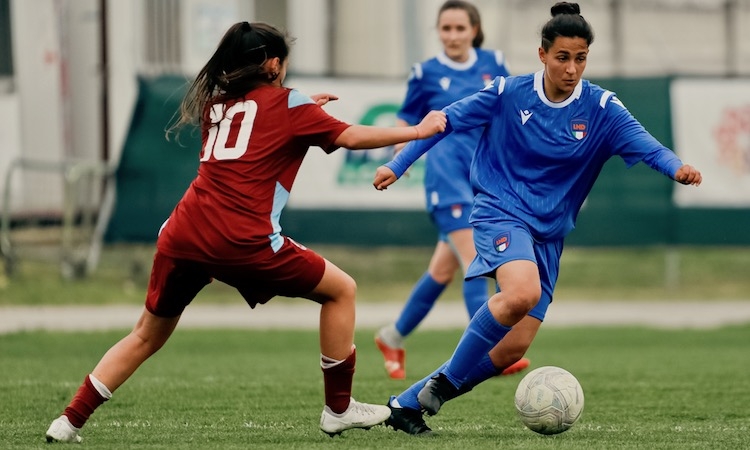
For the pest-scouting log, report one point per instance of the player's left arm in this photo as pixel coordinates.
(634, 143)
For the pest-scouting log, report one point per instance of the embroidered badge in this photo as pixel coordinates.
(502, 241)
(579, 128)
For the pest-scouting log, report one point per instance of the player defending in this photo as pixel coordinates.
(226, 227)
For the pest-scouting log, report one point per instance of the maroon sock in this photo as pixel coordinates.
(86, 400)
(338, 384)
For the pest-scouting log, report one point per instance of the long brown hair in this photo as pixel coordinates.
(236, 68)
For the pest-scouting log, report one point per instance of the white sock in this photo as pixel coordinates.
(391, 337)
(327, 363)
(100, 387)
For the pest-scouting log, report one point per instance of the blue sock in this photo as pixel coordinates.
(420, 302)
(483, 333)
(408, 398)
(475, 294)
(482, 371)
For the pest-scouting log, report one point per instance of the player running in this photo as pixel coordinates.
(546, 137)
(226, 227)
(459, 70)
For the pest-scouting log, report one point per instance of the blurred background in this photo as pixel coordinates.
(88, 87)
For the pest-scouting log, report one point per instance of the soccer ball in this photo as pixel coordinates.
(549, 400)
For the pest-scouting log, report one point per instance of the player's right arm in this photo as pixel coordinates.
(468, 113)
(366, 137)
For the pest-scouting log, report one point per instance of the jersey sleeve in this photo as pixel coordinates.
(415, 103)
(414, 150)
(634, 144)
(310, 123)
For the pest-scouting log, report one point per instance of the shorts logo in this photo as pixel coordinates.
(502, 241)
(456, 211)
(579, 128)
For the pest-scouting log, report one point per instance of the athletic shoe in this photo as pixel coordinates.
(62, 431)
(435, 392)
(516, 367)
(357, 415)
(408, 420)
(395, 359)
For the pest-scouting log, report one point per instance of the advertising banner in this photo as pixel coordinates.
(343, 179)
(711, 123)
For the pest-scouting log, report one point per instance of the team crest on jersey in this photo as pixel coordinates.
(502, 242)
(579, 128)
(445, 83)
(487, 79)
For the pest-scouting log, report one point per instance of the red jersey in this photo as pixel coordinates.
(250, 158)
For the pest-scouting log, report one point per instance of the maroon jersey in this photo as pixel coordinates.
(251, 155)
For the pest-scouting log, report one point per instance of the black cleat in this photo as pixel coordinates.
(408, 420)
(435, 392)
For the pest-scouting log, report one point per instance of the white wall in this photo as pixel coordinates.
(55, 110)
(39, 63)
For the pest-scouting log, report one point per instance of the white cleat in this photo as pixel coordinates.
(62, 431)
(357, 415)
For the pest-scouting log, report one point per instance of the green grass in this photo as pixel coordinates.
(388, 274)
(644, 388)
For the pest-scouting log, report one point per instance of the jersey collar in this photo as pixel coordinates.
(539, 88)
(444, 60)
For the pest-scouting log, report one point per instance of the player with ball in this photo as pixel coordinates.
(546, 138)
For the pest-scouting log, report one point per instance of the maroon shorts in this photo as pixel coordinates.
(293, 271)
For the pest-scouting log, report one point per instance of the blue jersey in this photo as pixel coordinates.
(433, 85)
(537, 160)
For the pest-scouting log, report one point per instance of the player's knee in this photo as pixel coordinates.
(348, 289)
(516, 301)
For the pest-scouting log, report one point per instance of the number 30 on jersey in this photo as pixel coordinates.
(229, 138)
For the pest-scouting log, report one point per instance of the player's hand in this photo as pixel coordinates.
(384, 177)
(322, 99)
(433, 123)
(688, 174)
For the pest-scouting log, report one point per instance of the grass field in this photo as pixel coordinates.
(223, 389)
(644, 389)
(387, 274)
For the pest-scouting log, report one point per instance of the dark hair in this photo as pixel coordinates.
(566, 21)
(474, 18)
(235, 68)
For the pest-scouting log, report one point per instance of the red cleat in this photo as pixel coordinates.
(516, 367)
(394, 359)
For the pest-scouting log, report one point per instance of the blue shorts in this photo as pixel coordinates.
(451, 218)
(500, 242)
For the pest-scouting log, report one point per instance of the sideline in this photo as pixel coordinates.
(445, 315)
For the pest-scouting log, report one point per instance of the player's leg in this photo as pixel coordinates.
(390, 339)
(336, 292)
(172, 286)
(508, 250)
(474, 290)
(510, 356)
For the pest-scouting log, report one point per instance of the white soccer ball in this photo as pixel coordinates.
(549, 400)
